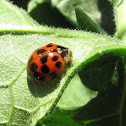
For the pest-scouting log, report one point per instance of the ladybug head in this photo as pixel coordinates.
(65, 53)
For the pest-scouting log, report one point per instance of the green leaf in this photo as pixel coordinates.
(44, 13)
(101, 81)
(85, 22)
(77, 95)
(60, 118)
(120, 20)
(22, 102)
(17, 17)
(99, 11)
(116, 2)
(108, 107)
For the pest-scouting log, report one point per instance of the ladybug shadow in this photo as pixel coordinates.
(41, 89)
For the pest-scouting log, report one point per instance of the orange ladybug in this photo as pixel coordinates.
(47, 62)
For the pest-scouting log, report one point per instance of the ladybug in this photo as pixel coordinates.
(47, 62)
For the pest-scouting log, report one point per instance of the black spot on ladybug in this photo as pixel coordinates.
(40, 51)
(44, 59)
(33, 67)
(37, 75)
(30, 59)
(64, 53)
(55, 58)
(45, 69)
(53, 74)
(61, 47)
(58, 64)
(49, 45)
